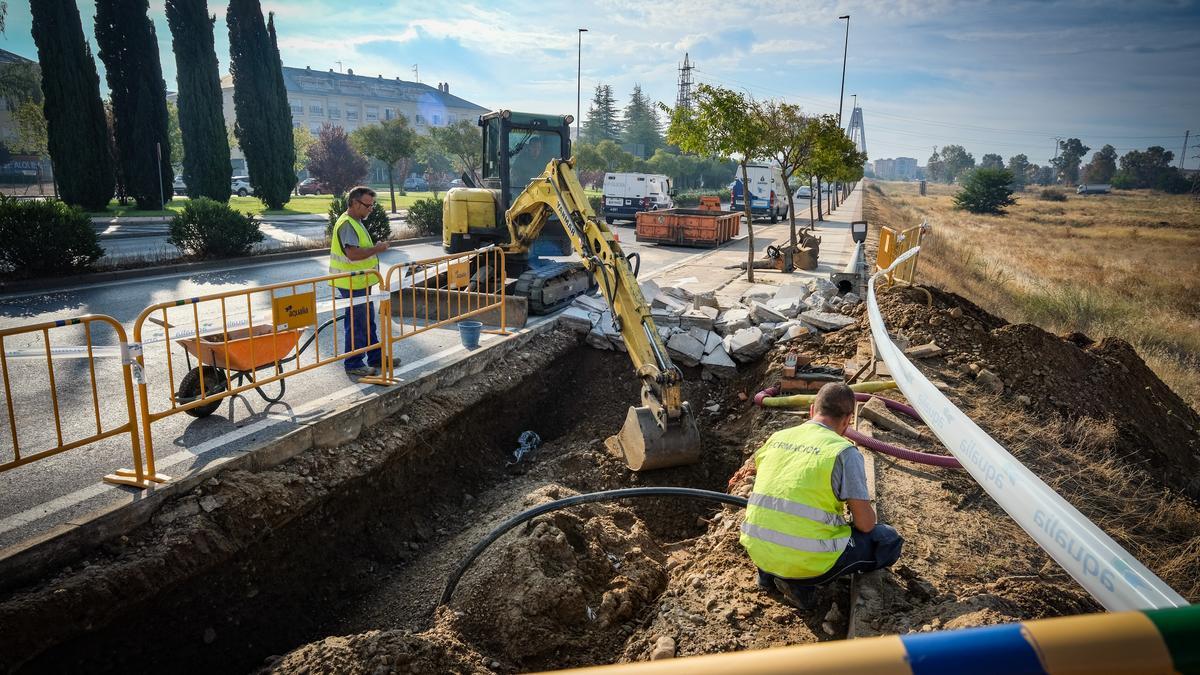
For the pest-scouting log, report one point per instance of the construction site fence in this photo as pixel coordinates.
(1116, 579)
(190, 354)
(894, 243)
(1154, 642)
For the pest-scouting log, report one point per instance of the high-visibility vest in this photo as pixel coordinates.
(340, 264)
(794, 526)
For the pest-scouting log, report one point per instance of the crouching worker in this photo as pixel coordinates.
(795, 530)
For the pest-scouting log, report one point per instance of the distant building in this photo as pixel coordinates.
(351, 101)
(900, 168)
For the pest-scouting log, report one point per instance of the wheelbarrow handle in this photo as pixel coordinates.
(308, 341)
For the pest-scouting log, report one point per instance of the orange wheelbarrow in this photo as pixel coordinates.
(229, 359)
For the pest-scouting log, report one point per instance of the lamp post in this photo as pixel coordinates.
(578, 80)
(845, 46)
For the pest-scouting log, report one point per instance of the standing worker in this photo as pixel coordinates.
(351, 249)
(795, 530)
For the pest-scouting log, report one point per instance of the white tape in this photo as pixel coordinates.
(1114, 577)
(98, 351)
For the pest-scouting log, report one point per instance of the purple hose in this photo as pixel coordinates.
(894, 405)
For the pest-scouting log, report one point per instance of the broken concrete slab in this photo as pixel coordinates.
(760, 313)
(578, 319)
(694, 318)
(591, 303)
(700, 334)
(706, 299)
(822, 287)
(759, 293)
(664, 318)
(668, 303)
(827, 320)
(713, 342)
(718, 363)
(685, 349)
(790, 330)
(732, 320)
(789, 299)
(649, 289)
(990, 381)
(878, 412)
(851, 299)
(923, 351)
(748, 344)
(679, 292)
(596, 338)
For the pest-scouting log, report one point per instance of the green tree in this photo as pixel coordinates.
(389, 142)
(725, 123)
(77, 135)
(462, 142)
(263, 116)
(1102, 167)
(935, 167)
(832, 155)
(956, 162)
(129, 50)
(435, 162)
(642, 128)
(175, 134)
(991, 161)
(302, 140)
(1043, 175)
(1150, 168)
(18, 84)
(1070, 153)
(1021, 169)
(791, 139)
(31, 129)
(986, 190)
(205, 140)
(603, 122)
(334, 162)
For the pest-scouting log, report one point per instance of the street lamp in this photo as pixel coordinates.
(578, 81)
(845, 46)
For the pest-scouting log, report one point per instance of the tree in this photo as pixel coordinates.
(77, 136)
(205, 151)
(263, 124)
(175, 134)
(991, 161)
(31, 129)
(18, 84)
(334, 162)
(129, 50)
(1044, 175)
(1070, 153)
(602, 122)
(302, 140)
(1021, 169)
(935, 167)
(986, 190)
(726, 123)
(956, 161)
(791, 139)
(1102, 167)
(1150, 168)
(429, 154)
(462, 142)
(834, 157)
(389, 142)
(642, 128)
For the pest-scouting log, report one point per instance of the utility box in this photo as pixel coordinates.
(921, 187)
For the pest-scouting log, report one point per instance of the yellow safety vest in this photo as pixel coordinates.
(340, 264)
(794, 526)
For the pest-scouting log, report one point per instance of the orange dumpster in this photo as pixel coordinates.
(688, 227)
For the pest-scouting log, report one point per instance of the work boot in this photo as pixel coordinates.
(803, 598)
(362, 371)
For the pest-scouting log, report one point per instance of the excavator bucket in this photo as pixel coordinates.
(646, 445)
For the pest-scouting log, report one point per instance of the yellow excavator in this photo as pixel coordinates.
(550, 215)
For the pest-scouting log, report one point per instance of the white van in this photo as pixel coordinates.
(625, 194)
(766, 191)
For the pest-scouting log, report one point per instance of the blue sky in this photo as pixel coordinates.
(1003, 77)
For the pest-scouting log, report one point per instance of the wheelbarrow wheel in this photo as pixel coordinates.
(189, 390)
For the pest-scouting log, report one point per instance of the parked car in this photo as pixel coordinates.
(179, 187)
(312, 186)
(240, 186)
(416, 183)
(803, 192)
(457, 183)
(625, 194)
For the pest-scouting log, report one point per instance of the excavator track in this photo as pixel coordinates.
(552, 286)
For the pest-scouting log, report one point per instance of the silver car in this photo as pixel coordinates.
(240, 186)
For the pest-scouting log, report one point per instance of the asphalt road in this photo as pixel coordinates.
(57, 489)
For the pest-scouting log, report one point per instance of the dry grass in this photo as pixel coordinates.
(1126, 264)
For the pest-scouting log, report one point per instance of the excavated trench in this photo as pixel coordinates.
(362, 537)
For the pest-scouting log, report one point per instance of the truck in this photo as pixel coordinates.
(625, 194)
(766, 192)
(1093, 189)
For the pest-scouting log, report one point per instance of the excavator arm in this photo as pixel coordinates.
(662, 431)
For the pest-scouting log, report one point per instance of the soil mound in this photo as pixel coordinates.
(437, 651)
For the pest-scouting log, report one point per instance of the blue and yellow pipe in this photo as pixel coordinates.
(1158, 641)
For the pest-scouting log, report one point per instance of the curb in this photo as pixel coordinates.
(24, 285)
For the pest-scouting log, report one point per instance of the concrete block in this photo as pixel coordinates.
(713, 343)
(827, 320)
(748, 344)
(591, 303)
(685, 349)
(790, 330)
(759, 293)
(694, 318)
(706, 299)
(732, 320)
(769, 329)
(718, 363)
(649, 289)
(851, 299)
(877, 411)
(668, 303)
(760, 313)
(700, 334)
(923, 351)
(664, 318)
(578, 319)
(596, 338)
(822, 287)
(813, 303)
(679, 292)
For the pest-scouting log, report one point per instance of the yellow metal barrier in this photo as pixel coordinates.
(892, 244)
(437, 292)
(127, 423)
(232, 346)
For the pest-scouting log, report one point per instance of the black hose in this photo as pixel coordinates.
(635, 256)
(608, 495)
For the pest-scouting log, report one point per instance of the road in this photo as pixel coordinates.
(57, 489)
(148, 241)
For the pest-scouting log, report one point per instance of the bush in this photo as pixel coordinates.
(425, 216)
(986, 191)
(377, 223)
(597, 204)
(210, 229)
(692, 197)
(1052, 195)
(42, 237)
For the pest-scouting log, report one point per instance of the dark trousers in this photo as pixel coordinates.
(363, 332)
(864, 552)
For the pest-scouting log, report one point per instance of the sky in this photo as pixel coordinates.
(995, 77)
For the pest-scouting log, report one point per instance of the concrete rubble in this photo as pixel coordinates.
(716, 331)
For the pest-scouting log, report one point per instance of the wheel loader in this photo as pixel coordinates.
(529, 202)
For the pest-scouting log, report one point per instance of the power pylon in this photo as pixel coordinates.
(684, 98)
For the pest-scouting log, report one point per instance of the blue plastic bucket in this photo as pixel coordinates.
(469, 332)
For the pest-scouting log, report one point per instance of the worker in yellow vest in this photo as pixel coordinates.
(806, 476)
(351, 249)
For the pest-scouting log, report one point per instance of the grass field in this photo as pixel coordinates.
(298, 205)
(1125, 264)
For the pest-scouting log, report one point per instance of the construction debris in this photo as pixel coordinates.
(924, 351)
(877, 412)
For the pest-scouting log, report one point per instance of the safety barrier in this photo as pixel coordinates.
(437, 292)
(1107, 571)
(122, 409)
(1158, 642)
(894, 243)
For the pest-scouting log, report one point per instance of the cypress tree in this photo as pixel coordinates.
(129, 50)
(641, 125)
(77, 135)
(603, 122)
(206, 166)
(263, 118)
